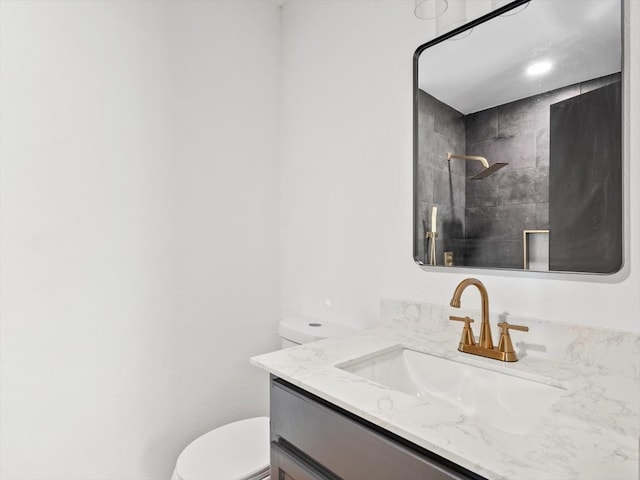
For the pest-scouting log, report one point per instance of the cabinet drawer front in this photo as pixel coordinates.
(346, 447)
(286, 464)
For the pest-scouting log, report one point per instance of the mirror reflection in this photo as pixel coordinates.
(518, 141)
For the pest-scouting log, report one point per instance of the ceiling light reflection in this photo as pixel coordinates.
(539, 68)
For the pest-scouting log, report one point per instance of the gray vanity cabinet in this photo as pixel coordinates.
(311, 439)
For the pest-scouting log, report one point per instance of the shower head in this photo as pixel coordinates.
(488, 170)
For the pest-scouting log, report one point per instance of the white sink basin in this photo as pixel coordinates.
(507, 402)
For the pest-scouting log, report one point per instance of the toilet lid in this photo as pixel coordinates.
(236, 451)
(306, 330)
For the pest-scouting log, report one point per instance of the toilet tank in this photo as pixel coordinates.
(298, 330)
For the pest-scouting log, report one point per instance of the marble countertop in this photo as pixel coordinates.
(591, 432)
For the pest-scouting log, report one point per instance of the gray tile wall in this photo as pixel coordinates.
(515, 198)
(482, 221)
(439, 183)
(504, 204)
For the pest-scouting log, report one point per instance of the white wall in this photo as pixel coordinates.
(139, 229)
(346, 201)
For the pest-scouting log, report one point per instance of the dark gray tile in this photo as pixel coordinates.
(425, 138)
(482, 126)
(424, 182)
(499, 222)
(456, 227)
(448, 189)
(424, 217)
(482, 193)
(443, 132)
(434, 151)
(518, 151)
(448, 122)
(542, 148)
(531, 113)
(542, 216)
(494, 253)
(427, 143)
(478, 222)
(463, 252)
(517, 186)
(456, 165)
(542, 185)
(425, 110)
(516, 218)
(522, 116)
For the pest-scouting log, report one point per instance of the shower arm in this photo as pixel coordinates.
(484, 161)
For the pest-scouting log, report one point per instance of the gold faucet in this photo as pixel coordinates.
(504, 351)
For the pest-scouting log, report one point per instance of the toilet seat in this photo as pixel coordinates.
(236, 451)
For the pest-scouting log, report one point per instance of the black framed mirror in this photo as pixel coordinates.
(518, 140)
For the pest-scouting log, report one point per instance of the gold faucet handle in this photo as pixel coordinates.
(509, 326)
(461, 319)
(505, 344)
(467, 333)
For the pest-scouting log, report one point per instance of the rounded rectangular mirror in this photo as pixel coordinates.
(518, 140)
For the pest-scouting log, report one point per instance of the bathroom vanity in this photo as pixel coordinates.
(398, 400)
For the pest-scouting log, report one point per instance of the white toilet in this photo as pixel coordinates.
(240, 450)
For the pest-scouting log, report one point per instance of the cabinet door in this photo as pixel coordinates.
(286, 464)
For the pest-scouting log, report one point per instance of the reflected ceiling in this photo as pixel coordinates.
(570, 52)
